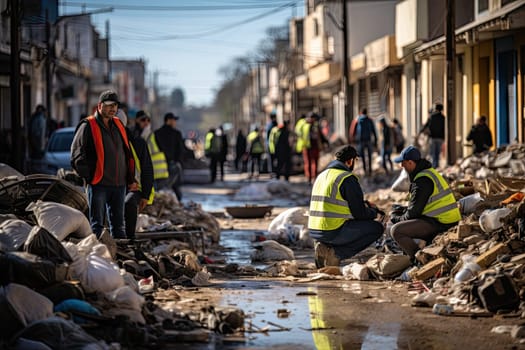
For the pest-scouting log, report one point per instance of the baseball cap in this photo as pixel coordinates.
(141, 115)
(170, 115)
(409, 153)
(108, 97)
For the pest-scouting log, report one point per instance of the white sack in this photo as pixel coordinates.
(356, 271)
(388, 265)
(101, 275)
(61, 220)
(125, 297)
(13, 234)
(292, 216)
(271, 250)
(278, 187)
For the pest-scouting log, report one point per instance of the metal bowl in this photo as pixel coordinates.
(249, 211)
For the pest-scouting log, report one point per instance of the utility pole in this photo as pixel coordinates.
(49, 59)
(348, 96)
(450, 87)
(14, 83)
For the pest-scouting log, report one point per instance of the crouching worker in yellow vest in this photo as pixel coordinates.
(341, 221)
(432, 207)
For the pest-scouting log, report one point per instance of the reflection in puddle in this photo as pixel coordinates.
(381, 336)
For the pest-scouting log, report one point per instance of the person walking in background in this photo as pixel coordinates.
(218, 153)
(299, 142)
(207, 142)
(283, 151)
(387, 144)
(432, 207)
(37, 134)
(340, 220)
(271, 125)
(240, 152)
(366, 137)
(101, 155)
(435, 129)
(399, 139)
(480, 135)
(141, 194)
(313, 141)
(256, 147)
(143, 125)
(170, 142)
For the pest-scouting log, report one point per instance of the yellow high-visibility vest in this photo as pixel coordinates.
(299, 146)
(442, 204)
(328, 209)
(158, 158)
(138, 172)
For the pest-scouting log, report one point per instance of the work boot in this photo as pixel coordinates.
(325, 256)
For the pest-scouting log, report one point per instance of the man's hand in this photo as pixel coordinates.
(142, 204)
(133, 187)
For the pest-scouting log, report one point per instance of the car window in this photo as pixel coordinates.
(60, 142)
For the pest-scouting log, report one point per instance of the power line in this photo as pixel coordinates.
(210, 31)
(173, 8)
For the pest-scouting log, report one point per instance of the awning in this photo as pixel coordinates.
(500, 19)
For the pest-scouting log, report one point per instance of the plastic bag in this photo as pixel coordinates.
(467, 204)
(13, 234)
(60, 219)
(42, 243)
(271, 250)
(28, 305)
(491, 220)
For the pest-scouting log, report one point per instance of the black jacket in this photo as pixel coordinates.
(351, 192)
(420, 191)
(116, 155)
(170, 142)
(481, 136)
(435, 126)
(146, 167)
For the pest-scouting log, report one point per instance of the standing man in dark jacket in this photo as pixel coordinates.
(283, 151)
(101, 155)
(340, 220)
(140, 194)
(435, 128)
(480, 135)
(170, 142)
(366, 138)
(432, 207)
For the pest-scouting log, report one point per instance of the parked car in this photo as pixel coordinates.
(58, 151)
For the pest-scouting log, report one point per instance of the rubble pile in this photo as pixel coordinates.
(63, 287)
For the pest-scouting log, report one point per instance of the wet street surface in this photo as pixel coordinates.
(288, 313)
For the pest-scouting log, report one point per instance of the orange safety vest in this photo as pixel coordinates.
(99, 147)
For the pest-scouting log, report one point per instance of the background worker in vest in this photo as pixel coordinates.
(101, 155)
(170, 142)
(141, 194)
(256, 147)
(432, 207)
(218, 153)
(313, 141)
(340, 220)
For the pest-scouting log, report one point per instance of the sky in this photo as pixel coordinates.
(186, 41)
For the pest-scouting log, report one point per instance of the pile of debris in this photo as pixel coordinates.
(61, 287)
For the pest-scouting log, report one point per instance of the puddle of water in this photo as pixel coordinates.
(381, 336)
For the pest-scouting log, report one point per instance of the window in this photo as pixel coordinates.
(483, 5)
(316, 27)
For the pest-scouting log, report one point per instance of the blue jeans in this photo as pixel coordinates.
(131, 212)
(351, 238)
(369, 147)
(110, 200)
(435, 151)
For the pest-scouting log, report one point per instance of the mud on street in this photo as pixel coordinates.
(198, 278)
